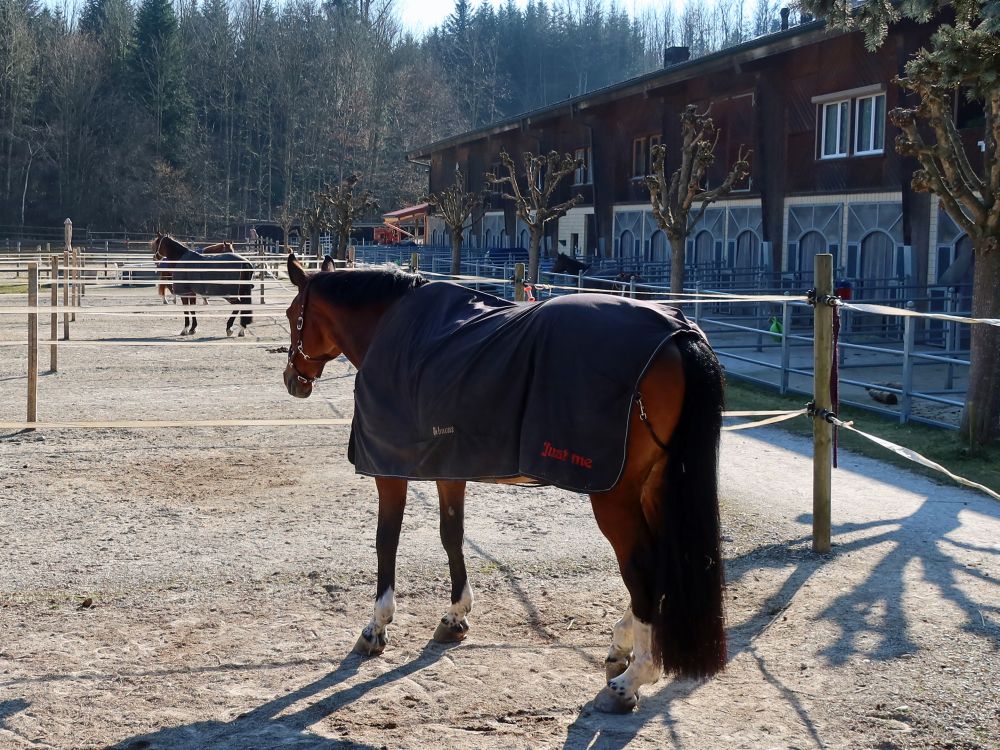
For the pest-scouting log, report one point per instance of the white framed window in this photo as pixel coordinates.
(836, 129)
(582, 174)
(869, 126)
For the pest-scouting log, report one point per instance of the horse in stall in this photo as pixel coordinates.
(644, 446)
(164, 286)
(224, 274)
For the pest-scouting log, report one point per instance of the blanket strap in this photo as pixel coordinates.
(645, 420)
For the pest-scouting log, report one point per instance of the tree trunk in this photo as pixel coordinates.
(456, 252)
(314, 243)
(533, 245)
(677, 264)
(981, 416)
(342, 240)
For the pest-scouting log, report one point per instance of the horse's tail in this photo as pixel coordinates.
(689, 636)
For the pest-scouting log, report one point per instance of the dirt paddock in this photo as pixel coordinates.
(227, 573)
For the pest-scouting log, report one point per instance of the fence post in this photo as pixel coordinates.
(32, 341)
(786, 348)
(579, 281)
(70, 258)
(631, 287)
(822, 430)
(909, 336)
(65, 290)
(54, 317)
(697, 301)
(519, 282)
(414, 262)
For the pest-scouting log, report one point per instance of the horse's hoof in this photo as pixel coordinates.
(229, 331)
(370, 646)
(242, 333)
(615, 667)
(608, 701)
(445, 633)
(184, 332)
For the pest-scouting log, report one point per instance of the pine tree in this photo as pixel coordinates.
(157, 78)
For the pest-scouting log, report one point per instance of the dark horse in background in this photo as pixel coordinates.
(566, 265)
(661, 515)
(227, 275)
(165, 276)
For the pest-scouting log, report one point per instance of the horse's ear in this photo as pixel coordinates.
(328, 264)
(296, 273)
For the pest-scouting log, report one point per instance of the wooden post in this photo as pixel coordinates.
(65, 288)
(68, 237)
(54, 317)
(415, 262)
(32, 341)
(822, 430)
(519, 282)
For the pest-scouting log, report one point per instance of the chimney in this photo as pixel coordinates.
(675, 55)
(784, 19)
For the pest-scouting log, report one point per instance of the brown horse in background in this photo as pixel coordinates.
(165, 276)
(661, 516)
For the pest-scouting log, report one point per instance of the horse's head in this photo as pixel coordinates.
(154, 245)
(166, 247)
(311, 345)
(565, 264)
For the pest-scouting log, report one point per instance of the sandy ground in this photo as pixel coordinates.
(229, 573)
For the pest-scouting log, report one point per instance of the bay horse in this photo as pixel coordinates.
(660, 513)
(225, 274)
(164, 286)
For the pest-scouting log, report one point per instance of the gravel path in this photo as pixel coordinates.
(229, 572)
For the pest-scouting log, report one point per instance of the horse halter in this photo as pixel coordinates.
(297, 349)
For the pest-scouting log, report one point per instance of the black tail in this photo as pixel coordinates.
(689, 636)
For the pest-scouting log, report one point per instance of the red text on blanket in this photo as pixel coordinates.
(563, 454)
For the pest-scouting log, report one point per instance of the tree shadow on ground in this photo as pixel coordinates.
(263, 727)
(870, 617)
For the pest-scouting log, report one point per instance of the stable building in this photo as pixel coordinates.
(810, 102)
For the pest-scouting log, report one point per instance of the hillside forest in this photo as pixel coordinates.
(198, 116)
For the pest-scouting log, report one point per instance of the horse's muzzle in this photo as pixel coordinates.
(294, 386)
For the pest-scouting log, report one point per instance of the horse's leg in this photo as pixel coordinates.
(232, 318)
(194, 318)
(246, 316)
(620, 517)
(184, 307)
(454, 626)
(622, 643)
(391, 503)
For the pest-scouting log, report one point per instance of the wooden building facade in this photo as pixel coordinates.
(825, 176)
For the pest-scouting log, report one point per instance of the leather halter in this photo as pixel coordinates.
(297, 348)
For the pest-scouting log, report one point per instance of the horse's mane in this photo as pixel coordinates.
(356, 288)
(177, 244)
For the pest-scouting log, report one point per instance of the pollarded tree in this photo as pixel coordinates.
(674, 199)
(964, 60)
(343, 208)
(457, 207)
(543, 175)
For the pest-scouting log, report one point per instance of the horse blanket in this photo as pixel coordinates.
(459, 384)
(190, 274)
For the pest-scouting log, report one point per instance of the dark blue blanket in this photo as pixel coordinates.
(460, 384)
(193, 270)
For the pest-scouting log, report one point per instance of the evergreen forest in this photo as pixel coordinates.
(199, 116)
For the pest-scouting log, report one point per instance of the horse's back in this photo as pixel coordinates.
(195, 273)
(559, 414)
